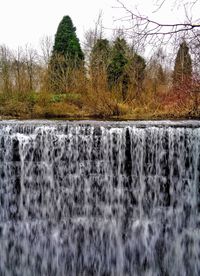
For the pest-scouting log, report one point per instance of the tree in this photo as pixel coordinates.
(31, 67)
(126, 68)
(136, 70)
(156, 74)
(183, 66)
(46, 45)
(99, 59)
(91, 36)
(116, 68)
(149, 29)
(66, 41)
(5, 69)
(161, 75)
(100, 55)
(66, 56)
(18, 68)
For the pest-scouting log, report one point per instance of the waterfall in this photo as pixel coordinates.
(99, 198)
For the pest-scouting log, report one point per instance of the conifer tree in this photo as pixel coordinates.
(125, 67)
(183, 65)
(118, 61)
(66, 56)
(66, 41)
(116, 72)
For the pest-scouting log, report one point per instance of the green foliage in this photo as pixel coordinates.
(66, 41)
(72, 98)
(57, 98)
(183, 65)
(66, 56)
(32, 97)
(126, 67)
(116, 68)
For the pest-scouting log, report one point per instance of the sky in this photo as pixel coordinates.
(27, 21)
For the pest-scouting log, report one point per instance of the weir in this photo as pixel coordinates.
(99, 198)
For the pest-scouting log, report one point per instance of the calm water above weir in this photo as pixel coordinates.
(99, 198)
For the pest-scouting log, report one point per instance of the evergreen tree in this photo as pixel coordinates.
(116, 72)
(183, 65)
(116, 68)
(66, 41)
(126, 67)
(66, 56)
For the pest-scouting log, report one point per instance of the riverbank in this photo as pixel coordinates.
(3, 118)
(76, 107)
(88, 116)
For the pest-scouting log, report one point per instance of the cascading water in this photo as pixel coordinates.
(99, 199)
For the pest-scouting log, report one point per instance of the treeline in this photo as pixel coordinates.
(110, 79)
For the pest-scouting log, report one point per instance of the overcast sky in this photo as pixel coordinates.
(27, 21)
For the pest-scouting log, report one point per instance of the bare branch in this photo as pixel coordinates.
(155, 26)
(159, 7)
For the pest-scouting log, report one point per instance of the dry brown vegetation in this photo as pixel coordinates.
(25, 92)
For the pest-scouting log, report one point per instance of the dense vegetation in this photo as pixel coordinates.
(111, 79)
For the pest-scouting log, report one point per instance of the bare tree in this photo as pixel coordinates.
(31, 58)
(18, 68)
(5, 69)
(92, 35)
(142, 27)
(46, 45)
